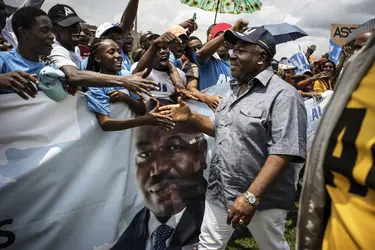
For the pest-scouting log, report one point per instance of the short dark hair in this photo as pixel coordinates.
(191, 38)
(25, 18)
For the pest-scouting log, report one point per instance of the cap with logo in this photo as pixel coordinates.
(63, 15)
(105, 27)
(255, 35)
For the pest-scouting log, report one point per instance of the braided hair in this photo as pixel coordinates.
(92, 64)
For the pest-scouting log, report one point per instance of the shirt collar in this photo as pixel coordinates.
(263, 77)
(154, 223)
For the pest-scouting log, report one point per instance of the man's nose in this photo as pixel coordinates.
(160, 165)
(233, 56)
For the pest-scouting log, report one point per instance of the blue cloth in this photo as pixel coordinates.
(12, 61)
(98, 99)
(84, 63)
(334, 52)
(126, 63)
(212, 71)
(161, 234)
(176, 62)
(300, 61)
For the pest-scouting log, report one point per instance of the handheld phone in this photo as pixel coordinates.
(195, 16)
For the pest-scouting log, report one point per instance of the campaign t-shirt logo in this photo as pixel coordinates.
(68, 11)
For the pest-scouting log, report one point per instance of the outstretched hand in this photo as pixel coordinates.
(20, 82)
(155, 118)
(177, 112)
(137, 84)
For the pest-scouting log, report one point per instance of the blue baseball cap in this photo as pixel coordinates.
(254, 35)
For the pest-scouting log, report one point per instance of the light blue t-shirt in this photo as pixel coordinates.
(176, 62)
(212, 71)
(12, 61)
(126, 63)
(98, 100)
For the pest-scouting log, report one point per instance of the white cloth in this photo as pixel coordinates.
(60, 56)
(154, 223)
(162, 77)
(7, 31)
(267, 227)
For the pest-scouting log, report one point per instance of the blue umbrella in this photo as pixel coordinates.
(285, 32)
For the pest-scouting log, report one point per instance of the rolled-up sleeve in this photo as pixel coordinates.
(288, 126)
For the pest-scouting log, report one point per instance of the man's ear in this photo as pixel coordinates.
(263, 57)
(21, 31)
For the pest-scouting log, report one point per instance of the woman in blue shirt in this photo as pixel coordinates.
(106, 58)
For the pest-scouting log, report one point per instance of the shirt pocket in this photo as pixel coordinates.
(250, 121)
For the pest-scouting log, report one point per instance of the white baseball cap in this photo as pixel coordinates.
(286, 66)
(105, 27)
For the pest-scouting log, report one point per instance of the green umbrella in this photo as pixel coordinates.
(225, 6)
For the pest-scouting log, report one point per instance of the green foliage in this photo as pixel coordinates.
(248, 243)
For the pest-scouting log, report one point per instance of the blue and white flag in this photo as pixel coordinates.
(334, 52)
(300, 61)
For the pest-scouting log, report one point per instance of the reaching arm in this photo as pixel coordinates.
(303, 84)
(136, 105)
(202, 123)
(86, 78)
(193, 87)
(152, 118)
(129, 15)
(212, 46)
(147, 59)
(176, 78)
(211, 101)
(209, 49)
(108, 124)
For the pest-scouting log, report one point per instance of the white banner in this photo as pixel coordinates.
(315, 109)
(64, 183)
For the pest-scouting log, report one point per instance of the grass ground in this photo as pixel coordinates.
(244, 241)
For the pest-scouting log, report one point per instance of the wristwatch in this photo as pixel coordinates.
(251, 199)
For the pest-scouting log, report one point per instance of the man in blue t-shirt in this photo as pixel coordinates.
(213, 58)
(33, 30)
